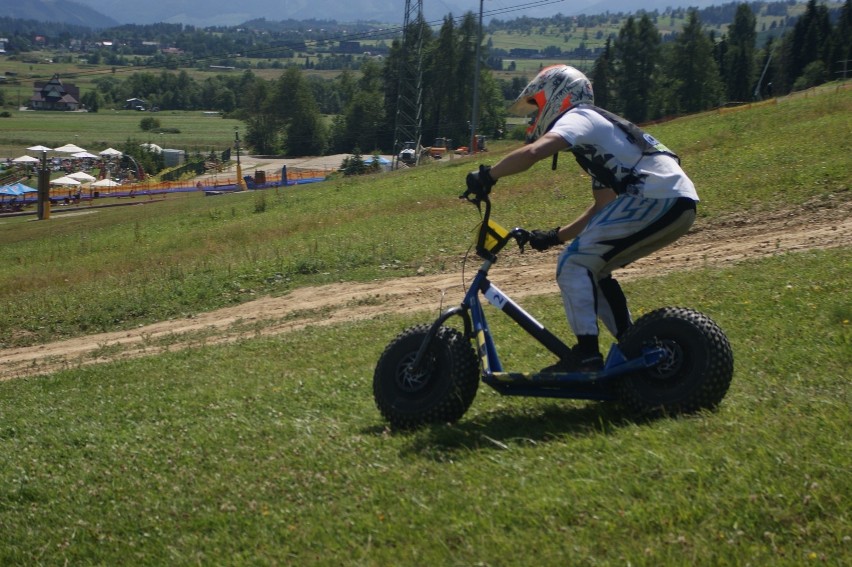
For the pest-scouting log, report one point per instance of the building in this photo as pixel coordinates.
(55, 95)
(135, 104)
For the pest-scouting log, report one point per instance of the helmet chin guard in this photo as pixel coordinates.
(554, 90)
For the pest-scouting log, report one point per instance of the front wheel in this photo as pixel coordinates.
(694, 374)
(439, 390)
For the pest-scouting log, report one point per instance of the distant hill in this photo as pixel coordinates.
(59, 11)
(229, 13)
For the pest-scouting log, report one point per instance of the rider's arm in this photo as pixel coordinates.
(525, 157)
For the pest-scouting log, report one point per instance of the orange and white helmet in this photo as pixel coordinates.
(554, 90)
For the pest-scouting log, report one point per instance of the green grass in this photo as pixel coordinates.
(112, 128)
(121, 267)
(270, 451)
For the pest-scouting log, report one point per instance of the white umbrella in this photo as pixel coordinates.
(67, 180)
(82, 176)
(153, 148)
(25, 159)
(40, 149)
(110, 152)
(105, 183)
(69, 149)
(86, 155)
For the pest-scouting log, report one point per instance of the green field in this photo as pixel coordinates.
(270, 451)
(112, 128)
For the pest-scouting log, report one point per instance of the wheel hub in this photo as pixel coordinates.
(671, 362)
(410, 378)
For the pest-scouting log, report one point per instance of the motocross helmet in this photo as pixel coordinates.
(554, 90)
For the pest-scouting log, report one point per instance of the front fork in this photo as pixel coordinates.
(462, 311)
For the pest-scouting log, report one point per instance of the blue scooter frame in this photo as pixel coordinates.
(576, 385)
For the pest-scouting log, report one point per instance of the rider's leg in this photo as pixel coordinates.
(612, 306)
(623, 231)
(577, 282)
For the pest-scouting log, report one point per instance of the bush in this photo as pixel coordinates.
(149, 123)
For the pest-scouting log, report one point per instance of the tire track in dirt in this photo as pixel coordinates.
(726, 241)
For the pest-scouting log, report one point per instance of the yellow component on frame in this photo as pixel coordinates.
(494, 236)
(483, 352)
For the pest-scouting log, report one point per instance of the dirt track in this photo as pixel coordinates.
(824, 224)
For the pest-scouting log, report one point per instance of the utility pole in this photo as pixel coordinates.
(43, 188)
(473, 120)
(756, 94)
(241, 183)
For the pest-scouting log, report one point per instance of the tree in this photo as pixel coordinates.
(740, 57)
(362, 122)
(602, 76)
(92, 100)
(692, 62)
(460, 110)
(297, 114)
(840, 52)
(354, 164)
(492, 115)
(637, 51)
(440, 83)
(262, 123)
(807, 42)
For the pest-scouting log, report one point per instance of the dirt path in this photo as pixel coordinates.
(824, 224)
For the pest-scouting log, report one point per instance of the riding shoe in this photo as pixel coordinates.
(577, 362)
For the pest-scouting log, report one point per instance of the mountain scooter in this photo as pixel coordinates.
(672, 360)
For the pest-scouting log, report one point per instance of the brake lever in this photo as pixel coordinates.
(473, 200)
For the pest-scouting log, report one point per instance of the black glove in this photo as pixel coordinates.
(541, 240)
(479, 183)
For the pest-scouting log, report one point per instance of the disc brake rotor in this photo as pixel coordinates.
(411, 379)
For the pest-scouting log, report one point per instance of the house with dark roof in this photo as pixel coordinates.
(55, 95)
(135, 104)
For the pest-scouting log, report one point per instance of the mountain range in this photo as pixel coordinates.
(203, 13)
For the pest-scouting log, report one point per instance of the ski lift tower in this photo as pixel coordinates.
(409, 104)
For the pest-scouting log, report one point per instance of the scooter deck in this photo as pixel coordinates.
(596, 385)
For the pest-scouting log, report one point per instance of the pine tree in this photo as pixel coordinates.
(692, 63)
(637, 51)
(739, 60)
(840, 50)
(602, 76)
(440, 79)
(807, 42)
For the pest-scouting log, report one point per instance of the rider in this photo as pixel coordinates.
(642, 201)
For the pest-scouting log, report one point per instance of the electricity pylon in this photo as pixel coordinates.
(409, 104)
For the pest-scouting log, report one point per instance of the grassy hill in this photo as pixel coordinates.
(270, 451)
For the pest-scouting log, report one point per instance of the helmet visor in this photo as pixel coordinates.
(531, 107)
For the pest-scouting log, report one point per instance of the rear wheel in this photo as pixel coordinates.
(439, 390)
(695, 373)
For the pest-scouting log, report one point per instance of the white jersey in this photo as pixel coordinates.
(657, 176)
